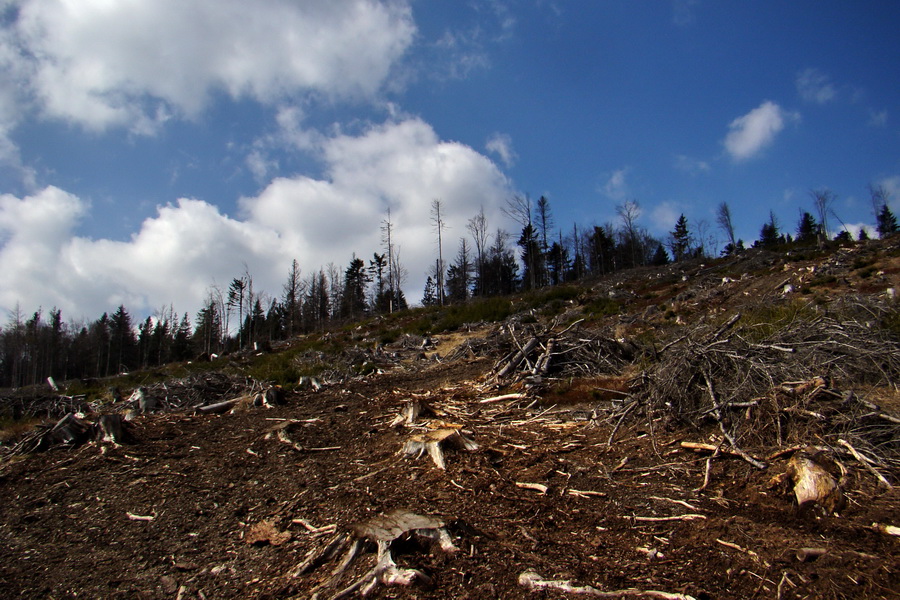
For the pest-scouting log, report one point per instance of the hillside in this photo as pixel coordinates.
(649, 435)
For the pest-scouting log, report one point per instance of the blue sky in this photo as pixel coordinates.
(152, 149)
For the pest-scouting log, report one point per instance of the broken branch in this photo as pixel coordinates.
(866, 462)
(533, 581)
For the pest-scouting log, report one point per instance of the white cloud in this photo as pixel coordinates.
(401, 165)
(616, 188)
(11, 74)
(260, 165)
(35, 232)
(501, 145)
(135, 64)
(892, 186)
(815, 86)
(750, 133)
(878, 118)
(188, 245)
(663, 216)
(855, 228)
(692, 166)
(462, 50)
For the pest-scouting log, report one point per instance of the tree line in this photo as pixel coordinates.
(486, 263)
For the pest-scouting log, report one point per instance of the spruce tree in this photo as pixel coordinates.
(429, 296)
(660, 258)
(769, 234)
(680, 239)
(887, 222)
(353, 300)
(807, 228)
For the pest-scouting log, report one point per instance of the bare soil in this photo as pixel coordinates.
(206, 480)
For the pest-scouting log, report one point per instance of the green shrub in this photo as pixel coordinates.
(603, 307)
(488, 310)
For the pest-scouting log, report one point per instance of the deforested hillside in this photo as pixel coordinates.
(719, 429)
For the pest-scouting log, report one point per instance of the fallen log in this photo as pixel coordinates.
(517, 359)
(218, 407)
(543, 362)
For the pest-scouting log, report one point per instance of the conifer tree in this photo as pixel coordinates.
(680, 240)
(886, 223)
(353, 300)
(660, 258)
(807, 228)
(769, 234)
(429, 297)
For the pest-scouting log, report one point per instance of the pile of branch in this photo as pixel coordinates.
(49, 405)
(191, 392)
(781, 388)
(472, 348)
(72, 431)
(569, 352)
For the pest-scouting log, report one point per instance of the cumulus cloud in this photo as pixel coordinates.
(501, 145)
(137, 64)
(749, 134)
(399, 165)
(190, 244)
(616, 187)
(854, 228)
(664, 215)
(35, 232)
(815, 86)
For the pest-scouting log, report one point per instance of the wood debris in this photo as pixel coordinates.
(533, 581)
(383, 531)
(265, 532)
(686, 517)
(812, 484)
(135, 517)
(434, 442)
(535, 487)
(887, 529)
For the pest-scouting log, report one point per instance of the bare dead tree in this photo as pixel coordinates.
(823, 199)
(723, 218)
(880, 196)
(518, 208)
(477, 226)
(292, 298)
(628, 212)
(438, 223)
(704, 239)
(386, 235)
(544, 221)
(336, 288)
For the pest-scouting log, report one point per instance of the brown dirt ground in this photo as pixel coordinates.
(208, 479)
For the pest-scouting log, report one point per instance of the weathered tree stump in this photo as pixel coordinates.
(381, 532)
